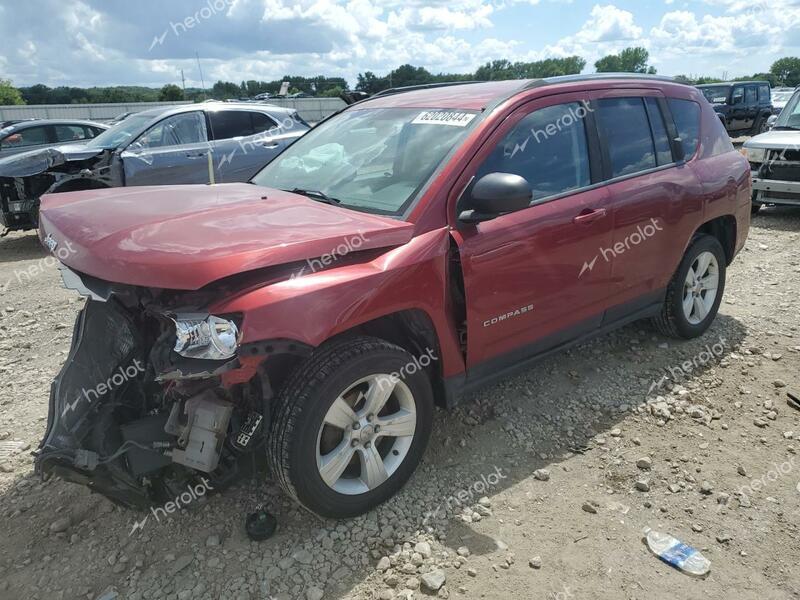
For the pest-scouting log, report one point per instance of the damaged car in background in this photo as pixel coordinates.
(775, 159)
(186, 144)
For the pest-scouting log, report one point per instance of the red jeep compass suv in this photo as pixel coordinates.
(409, 248)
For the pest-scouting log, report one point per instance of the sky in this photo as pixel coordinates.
(148, 42)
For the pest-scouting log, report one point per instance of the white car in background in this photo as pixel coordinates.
(780, 96)
(775, 159)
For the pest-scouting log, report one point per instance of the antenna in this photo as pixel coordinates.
(199, 68)
(183, 83)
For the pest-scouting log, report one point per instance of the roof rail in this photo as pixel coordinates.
(595, 76)
(424, 86)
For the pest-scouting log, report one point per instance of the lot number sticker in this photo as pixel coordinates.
(444, 117)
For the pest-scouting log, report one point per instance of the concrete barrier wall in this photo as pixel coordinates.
(311, 109)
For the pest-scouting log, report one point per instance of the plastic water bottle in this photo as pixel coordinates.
(674, 552)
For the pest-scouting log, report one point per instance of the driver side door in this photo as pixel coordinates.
(174, 150)
(536, 278)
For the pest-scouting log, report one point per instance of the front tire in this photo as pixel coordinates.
(695, 291)
(350, 426)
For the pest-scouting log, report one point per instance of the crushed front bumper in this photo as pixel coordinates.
(105, 340)
(774, 191)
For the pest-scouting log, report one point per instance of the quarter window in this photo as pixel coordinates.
(548, 148)
(624, 124)
(687, 120)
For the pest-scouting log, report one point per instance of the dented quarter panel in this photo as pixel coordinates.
(316, 306)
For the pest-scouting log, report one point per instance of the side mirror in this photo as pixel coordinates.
(771, 121)
(493, 195)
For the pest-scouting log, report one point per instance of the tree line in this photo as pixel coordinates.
(785, 71)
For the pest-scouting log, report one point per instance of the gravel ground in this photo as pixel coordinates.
(535, 488)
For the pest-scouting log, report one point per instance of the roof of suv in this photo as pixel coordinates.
(479, 95)
(731, 83)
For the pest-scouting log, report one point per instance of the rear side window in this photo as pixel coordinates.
(262, 122)
(624, 125)
(70, 133)
(751, 95)
(764, 94)
(226, 124)
(686, 114)
(548, 148)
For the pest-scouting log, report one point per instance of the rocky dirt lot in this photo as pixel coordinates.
(536, 488)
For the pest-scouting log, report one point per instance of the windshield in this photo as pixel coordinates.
(781, 96)
(790, 115)
(120, 133)
(373, 160)
(717, 94)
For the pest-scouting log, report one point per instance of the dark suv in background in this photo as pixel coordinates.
(742, 106)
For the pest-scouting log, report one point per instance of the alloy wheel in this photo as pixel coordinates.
(700, 288)
(366, 434)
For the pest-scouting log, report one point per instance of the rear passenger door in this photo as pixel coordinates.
(244, 141)
(653, 197)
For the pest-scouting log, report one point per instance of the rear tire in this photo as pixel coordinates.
(324, 417)
(695, 291)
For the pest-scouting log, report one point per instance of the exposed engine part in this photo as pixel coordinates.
(148, 431)
(200, 439)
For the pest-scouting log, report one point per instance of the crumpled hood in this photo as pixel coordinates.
(34, 162)
(185, 237)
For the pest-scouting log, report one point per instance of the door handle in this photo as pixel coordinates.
(592, 215)
(195, 154)
(268, 146)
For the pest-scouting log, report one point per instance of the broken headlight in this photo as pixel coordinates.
(205, 336)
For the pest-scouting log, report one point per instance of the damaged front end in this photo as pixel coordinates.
(24, 178)
(151, 399)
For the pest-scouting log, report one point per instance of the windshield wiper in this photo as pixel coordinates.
(784, 127)
(316, 195)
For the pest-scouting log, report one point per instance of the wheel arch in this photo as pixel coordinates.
(724, 229)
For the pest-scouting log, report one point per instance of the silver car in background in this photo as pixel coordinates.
(35, 134)
(213, 142)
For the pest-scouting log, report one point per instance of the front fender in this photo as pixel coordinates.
(316, 306)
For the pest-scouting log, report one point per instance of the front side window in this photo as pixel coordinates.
(687, 120)
(790, 115)
(121, 132)
(751, 95)
(624, 125)
(178, 130)
(370, 159)
(31, 136)
(262, 123)
(548, 148)
(738, 95)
